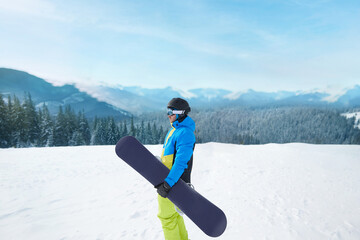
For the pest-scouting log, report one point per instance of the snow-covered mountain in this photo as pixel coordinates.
(13, 82)
(274, 191)
(351, 97)
(138, 99)
(110, 100)
(133, 99)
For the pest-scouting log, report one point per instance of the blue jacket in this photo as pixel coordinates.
(179, 142)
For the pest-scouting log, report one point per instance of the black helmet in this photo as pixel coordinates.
(179, 104)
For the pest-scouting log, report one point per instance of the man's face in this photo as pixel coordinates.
(172, 118)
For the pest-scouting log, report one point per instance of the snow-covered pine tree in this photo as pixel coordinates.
(142, 130)
(84, 128)
(71, 124)
(99, 134)
(60, 135)
(17, 122)
(4, 124)
(113, 133)
(31, 121)
(132, 128)
(46, 138)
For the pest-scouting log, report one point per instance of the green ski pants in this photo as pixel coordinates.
(172, 223)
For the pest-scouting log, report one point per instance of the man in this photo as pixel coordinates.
(177, 155)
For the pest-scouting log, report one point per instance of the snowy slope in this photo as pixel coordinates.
(290, 191)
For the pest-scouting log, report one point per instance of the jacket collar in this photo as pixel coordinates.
(187, 122)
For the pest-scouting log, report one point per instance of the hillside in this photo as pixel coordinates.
(13, 82)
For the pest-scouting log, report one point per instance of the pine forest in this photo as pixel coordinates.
(24, 125)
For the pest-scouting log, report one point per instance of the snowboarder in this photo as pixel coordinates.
(177, 155)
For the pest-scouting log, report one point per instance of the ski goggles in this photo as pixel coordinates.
(174, 111)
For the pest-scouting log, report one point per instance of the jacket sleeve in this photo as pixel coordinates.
(184, 150)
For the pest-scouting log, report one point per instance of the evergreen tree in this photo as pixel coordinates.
(142, 133)
(84, 128)
(161, 135)
(125, 131)
(149, 134)
(93, 127)
(4, 124)
(154, 134)
(100, 135)
(132, 128)
(113, 133)
(60, 134)
(71, 126)
(10, 114)
(46, 138)
(31, 122)
(120, 127)
(76, 139)
(17, 118)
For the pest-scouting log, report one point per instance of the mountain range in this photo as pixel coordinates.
(123, 101)
(13, 82)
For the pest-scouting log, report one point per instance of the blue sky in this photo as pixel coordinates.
(236, 45)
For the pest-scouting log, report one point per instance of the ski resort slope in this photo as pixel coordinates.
(273, 191)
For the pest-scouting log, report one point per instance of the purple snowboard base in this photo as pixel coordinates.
(208, 217)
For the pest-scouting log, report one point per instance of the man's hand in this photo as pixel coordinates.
(163, 189)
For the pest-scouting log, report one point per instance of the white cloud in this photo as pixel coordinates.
(30, 7)
(309, 3)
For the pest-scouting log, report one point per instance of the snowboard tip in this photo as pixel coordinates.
(121, 144)
(220, 228)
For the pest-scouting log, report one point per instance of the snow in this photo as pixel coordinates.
(273, 191)
(235, 95)
(355, 115)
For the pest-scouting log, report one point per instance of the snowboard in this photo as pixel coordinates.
(208, 217)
